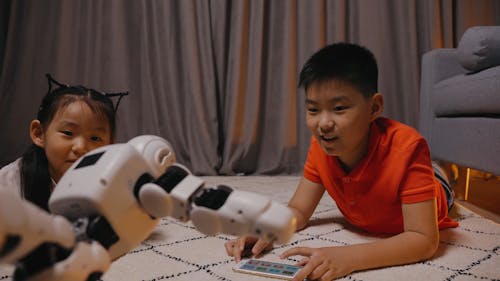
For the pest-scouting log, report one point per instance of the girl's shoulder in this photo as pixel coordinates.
(10, 177)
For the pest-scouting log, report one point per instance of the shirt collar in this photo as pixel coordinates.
(355, 174)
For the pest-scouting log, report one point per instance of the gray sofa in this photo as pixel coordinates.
(460, 100)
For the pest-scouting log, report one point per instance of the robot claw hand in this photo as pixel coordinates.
(221, 209)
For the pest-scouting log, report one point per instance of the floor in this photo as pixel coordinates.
(177, 251)
(480, 211)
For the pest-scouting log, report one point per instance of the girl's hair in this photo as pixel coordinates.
(36, 182)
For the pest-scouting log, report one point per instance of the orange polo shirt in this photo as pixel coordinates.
(396, 170)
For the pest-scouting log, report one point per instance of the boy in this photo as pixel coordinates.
(377, 170)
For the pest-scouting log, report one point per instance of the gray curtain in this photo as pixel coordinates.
(217, 78)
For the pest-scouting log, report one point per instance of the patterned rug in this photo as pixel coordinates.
(176, 251)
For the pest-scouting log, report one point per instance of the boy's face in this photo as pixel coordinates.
(339, 116)
(74, 130)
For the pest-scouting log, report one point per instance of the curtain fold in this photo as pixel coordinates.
(216, 78)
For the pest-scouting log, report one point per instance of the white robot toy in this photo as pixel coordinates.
(116, 194)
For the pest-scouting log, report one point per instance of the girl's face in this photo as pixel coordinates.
(74, 130)
(339, 116)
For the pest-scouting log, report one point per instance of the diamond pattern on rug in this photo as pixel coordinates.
(176, 251)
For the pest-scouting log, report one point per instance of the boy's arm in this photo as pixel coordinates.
(304, 201)
(419, 241)
(302, 204)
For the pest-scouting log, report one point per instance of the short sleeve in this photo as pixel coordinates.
(310, 167)
(10, 177)
(418, 184)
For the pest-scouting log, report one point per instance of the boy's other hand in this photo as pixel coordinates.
(246, 246)
(321, 263)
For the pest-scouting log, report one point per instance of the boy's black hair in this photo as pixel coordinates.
(36, 182)
(343, 62)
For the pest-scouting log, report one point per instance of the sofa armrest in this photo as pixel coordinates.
(440, 64)
(437, 65)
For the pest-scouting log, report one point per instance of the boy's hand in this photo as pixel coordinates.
(321, 263)
(240, 247)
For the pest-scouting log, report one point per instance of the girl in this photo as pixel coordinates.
(71, 121)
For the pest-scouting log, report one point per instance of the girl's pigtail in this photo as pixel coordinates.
(35, 178)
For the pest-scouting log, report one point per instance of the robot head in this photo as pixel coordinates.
(156, 151)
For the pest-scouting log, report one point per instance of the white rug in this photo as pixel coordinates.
(176, 251)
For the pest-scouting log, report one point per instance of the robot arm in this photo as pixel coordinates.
(43, 247)
(226, 210)
(221, 209)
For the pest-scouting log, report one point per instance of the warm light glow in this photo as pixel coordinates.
(467, 182)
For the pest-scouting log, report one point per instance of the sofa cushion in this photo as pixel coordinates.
(468, 94)
(479, 48)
